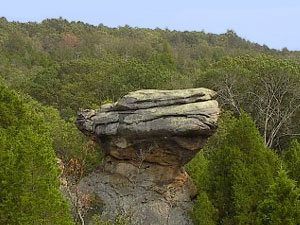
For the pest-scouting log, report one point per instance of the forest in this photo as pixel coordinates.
(247, 173)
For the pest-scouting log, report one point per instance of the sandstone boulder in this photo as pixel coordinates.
(165, 126)
(147, 136)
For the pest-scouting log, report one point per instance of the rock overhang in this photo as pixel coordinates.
(167, 126)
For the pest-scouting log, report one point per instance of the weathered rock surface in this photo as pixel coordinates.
(147, 137)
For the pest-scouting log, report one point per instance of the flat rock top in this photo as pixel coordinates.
(146, 113)
(153, 98)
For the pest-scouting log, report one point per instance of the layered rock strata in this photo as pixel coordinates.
(147, 136)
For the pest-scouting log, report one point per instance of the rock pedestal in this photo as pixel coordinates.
(147, 136)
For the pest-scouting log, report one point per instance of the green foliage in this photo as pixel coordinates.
(239, 169)
(84, 83)
(198, 170)
(204, 212)
(29, 192)
(67, 141)
(11, 109)
(246, 167)
(291, 157)
(282, 203)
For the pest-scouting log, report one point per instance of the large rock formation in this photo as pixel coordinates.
(147, 136)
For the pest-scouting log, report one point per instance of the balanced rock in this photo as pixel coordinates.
(147, 136)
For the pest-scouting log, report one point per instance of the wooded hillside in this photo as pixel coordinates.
(246, 174)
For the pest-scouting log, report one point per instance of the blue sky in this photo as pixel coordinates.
(275, 23)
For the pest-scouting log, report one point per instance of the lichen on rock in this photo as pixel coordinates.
(147, 136)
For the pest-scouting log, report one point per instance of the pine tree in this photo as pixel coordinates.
(29, 185)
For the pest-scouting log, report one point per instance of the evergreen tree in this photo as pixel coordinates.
(29, 185)
(291, 157)
(198, 170)
(240, 168)
(204, 212)
(282, 204)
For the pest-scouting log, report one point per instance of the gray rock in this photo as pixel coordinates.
(155, 98)
(155, 113)
(156, 121)
(147, 136)
(149, 194)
